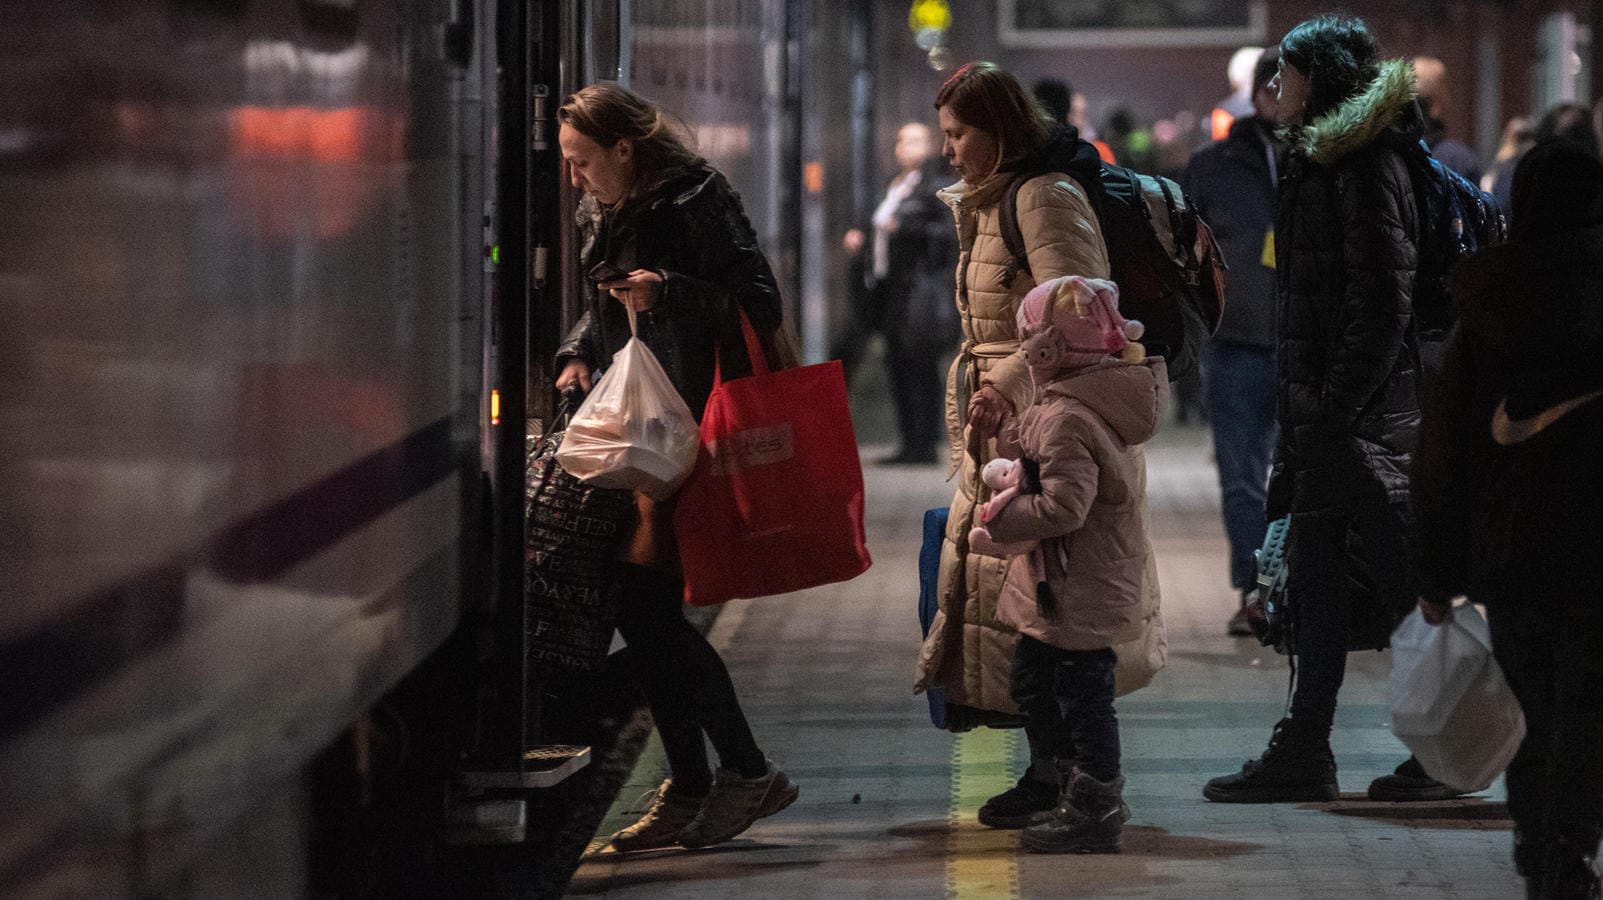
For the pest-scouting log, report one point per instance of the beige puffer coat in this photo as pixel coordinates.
(969, 650)
(1085, 429)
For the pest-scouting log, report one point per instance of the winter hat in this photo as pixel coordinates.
(1070, 322)
(1558, 187)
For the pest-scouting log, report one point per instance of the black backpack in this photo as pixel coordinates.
(1457, 218)
(1163, 256)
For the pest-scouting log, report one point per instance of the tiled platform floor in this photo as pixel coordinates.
(825, 677)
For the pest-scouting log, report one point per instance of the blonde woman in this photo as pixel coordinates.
(678, 248)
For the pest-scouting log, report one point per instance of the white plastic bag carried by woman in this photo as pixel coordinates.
(1449, 702)
(634, 430)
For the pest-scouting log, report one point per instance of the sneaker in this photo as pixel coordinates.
(1017, 806)
(1409, 783)
(1089, 820)
(735, 803)
(663, 823)
(1294, 769)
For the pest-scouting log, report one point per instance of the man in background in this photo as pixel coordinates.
(1233, 184)
(1430, 76)
(1239, 104)
(1062, 104)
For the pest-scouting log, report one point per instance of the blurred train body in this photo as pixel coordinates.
(262, 265)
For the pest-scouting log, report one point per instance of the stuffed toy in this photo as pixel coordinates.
(1007, 478)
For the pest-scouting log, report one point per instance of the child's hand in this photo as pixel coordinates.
(980, 541)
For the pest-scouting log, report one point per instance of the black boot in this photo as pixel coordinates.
(1569, 871)
(1088, 820)
(1296, 768)
(1016, 806)
(1409, 783)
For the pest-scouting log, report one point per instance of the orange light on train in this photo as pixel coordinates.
(295, 164)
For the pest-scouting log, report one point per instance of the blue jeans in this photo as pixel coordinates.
(1067, 700)
(1239, 385)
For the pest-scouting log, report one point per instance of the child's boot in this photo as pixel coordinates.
(1090, 818)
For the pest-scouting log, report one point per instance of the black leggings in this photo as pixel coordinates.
(685, 682)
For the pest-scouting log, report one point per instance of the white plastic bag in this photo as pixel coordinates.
(634, 430)
(1449, 702)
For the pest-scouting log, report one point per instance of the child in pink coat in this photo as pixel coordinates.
(1076, 512)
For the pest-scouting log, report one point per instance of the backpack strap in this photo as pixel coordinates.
(1184, 238)
(1008, 210)
(1007, 219)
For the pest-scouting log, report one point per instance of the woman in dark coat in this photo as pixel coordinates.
(687, 262)
(1347, 404)
(1508, 492)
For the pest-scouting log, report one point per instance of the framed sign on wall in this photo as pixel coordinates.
(1132, 23)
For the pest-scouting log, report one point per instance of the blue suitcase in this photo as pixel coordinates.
(929, 566)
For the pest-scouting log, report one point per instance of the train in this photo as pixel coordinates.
(281, 280)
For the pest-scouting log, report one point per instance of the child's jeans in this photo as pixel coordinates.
(1067, 700)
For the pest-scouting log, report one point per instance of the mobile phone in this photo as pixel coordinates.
(603, 271)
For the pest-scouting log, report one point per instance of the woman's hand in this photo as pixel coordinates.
(986, 410)
(575, 372)
(1434, 612)
(638, 292)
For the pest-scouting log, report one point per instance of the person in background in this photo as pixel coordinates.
(1130, 143)
(994, 133)
(1518, 136)
(1234, 183)
(1062, 103)
(1347, 388)
(653, 208)
(862, 319)
(910, 251)
(1240, 103)
(1570, 122)
(1508, 496)
(1430, 77)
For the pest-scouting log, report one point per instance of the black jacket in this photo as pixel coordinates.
(693, 229)
(1345, 236)
(1234, 189)
(917, 293)
(1518, 522)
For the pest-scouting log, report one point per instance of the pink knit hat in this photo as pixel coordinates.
(1070, 322)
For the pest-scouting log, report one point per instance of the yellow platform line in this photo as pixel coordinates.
(981, 863)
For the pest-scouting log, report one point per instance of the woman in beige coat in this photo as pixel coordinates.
(993, 133)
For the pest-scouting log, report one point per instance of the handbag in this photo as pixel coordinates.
(1450, 704)
(775, 502)
(1268, 612)
(634, 431)
(572, 536)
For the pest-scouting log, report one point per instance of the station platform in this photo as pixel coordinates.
(888, 802)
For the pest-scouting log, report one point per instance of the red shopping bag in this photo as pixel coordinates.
(775, 503)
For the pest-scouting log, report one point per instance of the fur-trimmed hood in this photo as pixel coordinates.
(1387, 105)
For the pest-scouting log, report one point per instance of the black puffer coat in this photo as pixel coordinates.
(1345, 235)
(693, 229)
(1521, 520)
